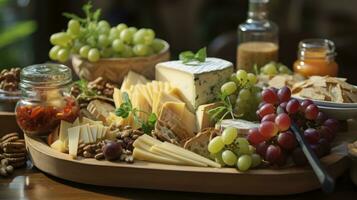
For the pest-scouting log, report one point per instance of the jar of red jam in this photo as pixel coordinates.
(46, 99)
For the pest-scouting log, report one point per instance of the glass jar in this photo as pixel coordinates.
(257, 38)
(45, 98)
(316, 57)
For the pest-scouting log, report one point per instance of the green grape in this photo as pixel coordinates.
(251, 149)
(60, 39)
(215, 145)
(232, 98)
(91, 40)
(229, 88)
(244, 94)
(76, 46)
(284, 69)
(243, 145)
(106, 52)
(103, 23)
(218, 158)
(150, 51)
(93, 55)
(242, 75)
(270, 69)
(157, 45)
(127, 52)
(132, 30)
(150, 33)
(229, 158)
(62, 55)
(92, 26)
(252, 79)
(114, 33)
(256, 160)
(118, 45)
(244, 162)
(103, 40)
(149, 36)
(141, 50)
(53, 52)
(229, 135)
(126, 35)
(83, 51)
(139, 36)
(74, 27)
(120, 27)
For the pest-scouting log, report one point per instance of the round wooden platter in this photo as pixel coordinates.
(147, 175)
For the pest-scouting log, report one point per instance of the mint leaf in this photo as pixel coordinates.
(201, 55)
(188, 57)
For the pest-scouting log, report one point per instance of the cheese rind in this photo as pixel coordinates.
(199, 84)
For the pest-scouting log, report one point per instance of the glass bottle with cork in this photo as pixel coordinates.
(257, 38)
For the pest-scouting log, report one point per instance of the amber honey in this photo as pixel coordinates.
(316, 57)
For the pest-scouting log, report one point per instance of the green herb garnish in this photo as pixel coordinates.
(190, 58)
(127, 107)
(85, 91)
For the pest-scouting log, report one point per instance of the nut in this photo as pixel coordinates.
(87, 154)
(3, 171)
(9, 169)
(99, 156)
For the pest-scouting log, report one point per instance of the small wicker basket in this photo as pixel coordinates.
(114, 69)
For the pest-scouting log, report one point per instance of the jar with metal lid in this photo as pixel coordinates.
(316, 57)
(45, 99)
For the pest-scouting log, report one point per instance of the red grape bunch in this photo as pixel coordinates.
(273, 139)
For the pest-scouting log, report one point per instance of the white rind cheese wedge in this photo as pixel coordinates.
(199, 84)
(243, 126)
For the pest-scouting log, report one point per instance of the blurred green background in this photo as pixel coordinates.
(26, 25)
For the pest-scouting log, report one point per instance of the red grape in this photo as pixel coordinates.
(299, 157)
(269, 117)
(287, 140)
(266, 109)
(261, 148)
(325, 145)
(283, 121)
(273, 154)
(305, 103)
(333, 124)
(326, 133)
(311, 112)
(321, 118)
(254, 137)
(316, 148)
(269, 96)
(292, 106)
(282, 159)
(284, 94)
(268, 129)
(312, 135)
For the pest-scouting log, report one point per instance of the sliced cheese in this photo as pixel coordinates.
(84, 136)
(140, 154)
(184, 160)
(203, 118)
(59, 146)
(94, 131)
(73, 140)
(117, 97)
(63, 133)
(243, 126)
(76, 122)
(132, 78)
(148, 140)
(186, 153)
(200, 84)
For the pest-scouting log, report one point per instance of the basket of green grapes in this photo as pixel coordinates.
(97, 49)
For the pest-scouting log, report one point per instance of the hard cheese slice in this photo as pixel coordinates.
(203, 118)
(73, 140)
(63, 134)
(199, 84)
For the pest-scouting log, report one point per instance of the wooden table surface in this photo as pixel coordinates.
(30, 183)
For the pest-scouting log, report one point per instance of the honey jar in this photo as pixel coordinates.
(316, 57)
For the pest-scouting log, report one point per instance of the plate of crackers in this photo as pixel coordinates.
(328, 92)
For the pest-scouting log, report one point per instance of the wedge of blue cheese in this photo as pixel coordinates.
(199, 84)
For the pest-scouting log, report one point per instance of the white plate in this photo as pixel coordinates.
(329, 103)
(339, 113)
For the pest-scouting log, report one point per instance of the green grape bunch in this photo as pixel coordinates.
(239, 98)
(93, 39)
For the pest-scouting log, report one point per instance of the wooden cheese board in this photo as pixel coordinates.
(147, 175)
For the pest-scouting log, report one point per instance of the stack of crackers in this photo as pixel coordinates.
(325, 88)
